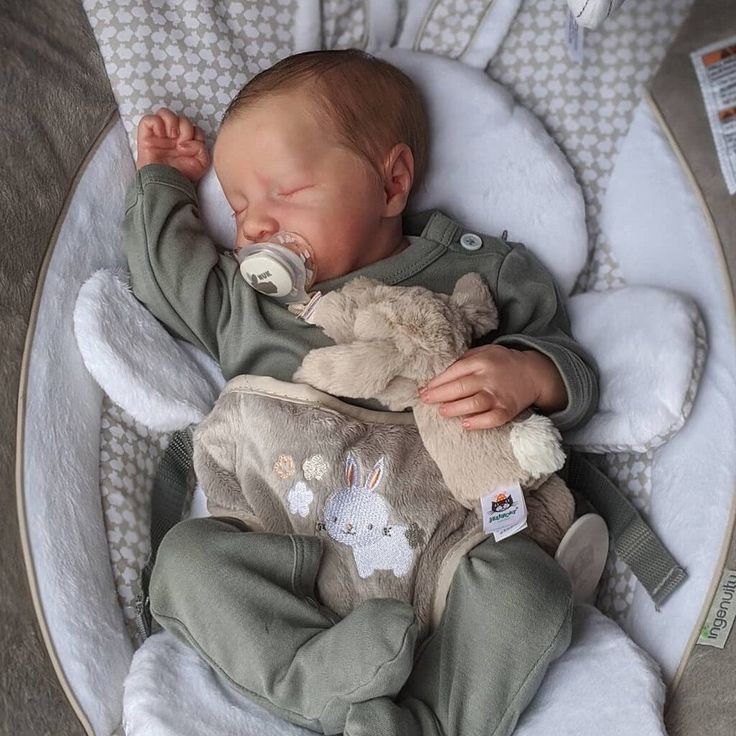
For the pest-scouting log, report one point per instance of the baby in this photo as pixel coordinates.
(330, 145)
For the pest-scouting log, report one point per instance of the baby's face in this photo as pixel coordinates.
(281, 171)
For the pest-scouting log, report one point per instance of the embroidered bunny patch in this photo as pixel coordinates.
(357, 515)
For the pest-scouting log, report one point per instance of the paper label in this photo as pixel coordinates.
(504, 511)
(574, 37)
(719, 621)
(715, 66)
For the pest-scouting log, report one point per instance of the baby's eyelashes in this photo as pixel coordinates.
(296, 190)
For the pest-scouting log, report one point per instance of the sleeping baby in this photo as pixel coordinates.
(317, 157)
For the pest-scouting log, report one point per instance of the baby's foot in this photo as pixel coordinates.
(384, 717)
(366, 655)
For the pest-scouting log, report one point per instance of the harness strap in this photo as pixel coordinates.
(634, 541)
(170, 487)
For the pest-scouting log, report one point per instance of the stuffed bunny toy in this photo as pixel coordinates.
(390, 340)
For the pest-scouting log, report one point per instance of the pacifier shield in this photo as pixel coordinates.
(267, 275)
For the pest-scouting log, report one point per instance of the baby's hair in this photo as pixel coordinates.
(370, 104)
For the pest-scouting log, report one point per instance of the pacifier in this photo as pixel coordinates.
(281, 267)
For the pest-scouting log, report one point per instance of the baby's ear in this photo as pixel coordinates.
(398, 177)
(474, 298)
(360, 370)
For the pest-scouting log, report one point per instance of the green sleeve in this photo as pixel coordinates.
(176, 270)
(532, 315)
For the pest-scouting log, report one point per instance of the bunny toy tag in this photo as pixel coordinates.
(504, 511)
(304, 311)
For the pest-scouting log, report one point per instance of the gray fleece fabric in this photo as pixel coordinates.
(287, 459)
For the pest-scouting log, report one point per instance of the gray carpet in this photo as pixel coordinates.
(55, 99)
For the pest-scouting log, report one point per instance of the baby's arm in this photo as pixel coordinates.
(533, 359)
(176, 270)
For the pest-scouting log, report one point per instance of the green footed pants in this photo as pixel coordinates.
(246, 602)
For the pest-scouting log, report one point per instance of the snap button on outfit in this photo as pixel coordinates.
(471, 241)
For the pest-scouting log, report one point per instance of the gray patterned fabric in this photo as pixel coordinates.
(343, 24)
(129, 456)
(450, 25)
(199, 52)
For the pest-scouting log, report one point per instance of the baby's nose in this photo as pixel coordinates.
(257, 227)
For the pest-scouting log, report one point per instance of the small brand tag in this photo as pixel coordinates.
(311, 304)
(574, 36)
(504, 511)
(719, 621)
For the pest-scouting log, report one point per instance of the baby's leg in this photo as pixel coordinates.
(508, 616)
(246, 602)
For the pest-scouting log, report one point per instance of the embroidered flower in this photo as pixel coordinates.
(300, 498)
(315, 467)
(284, 466)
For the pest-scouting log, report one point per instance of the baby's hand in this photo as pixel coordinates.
(166, 138)
(491, 384)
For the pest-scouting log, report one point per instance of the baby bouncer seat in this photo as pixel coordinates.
(103, 401)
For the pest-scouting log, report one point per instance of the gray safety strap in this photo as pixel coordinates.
(634, 541)
(170, 487)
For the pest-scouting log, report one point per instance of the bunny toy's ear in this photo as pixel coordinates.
(359, 370)
(473, 296)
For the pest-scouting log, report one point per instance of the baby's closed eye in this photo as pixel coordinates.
(293, 191)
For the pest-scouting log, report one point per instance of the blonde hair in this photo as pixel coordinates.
(370, 104)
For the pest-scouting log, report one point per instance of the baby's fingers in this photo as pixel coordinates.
(460, 388)
(487, 419)
(479, 402)
(171, 122)
(186, 129)
(194, 148)
(456, 371)
(202, 156)
(150, 126)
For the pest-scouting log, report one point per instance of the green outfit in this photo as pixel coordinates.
(246, 601)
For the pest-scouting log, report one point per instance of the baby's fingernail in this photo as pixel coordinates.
(466, 424)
